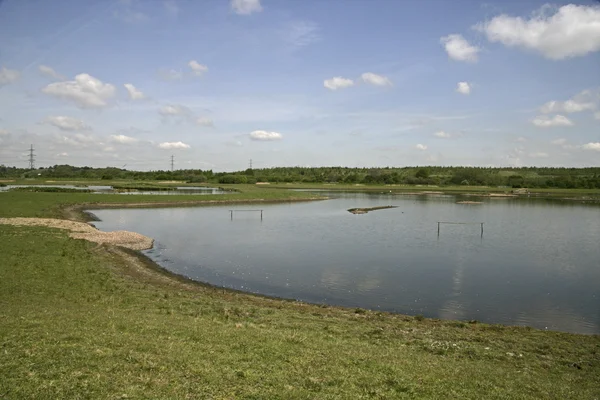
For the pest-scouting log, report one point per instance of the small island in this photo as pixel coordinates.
(367, 209)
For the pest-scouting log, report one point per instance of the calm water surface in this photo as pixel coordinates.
(537, 263)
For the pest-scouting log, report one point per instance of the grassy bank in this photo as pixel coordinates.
(52, 205)
(462, 189)
(79, 320)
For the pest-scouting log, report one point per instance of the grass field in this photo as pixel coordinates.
(79, 320)
(52, 205)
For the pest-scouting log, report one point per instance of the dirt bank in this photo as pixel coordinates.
(82, 230)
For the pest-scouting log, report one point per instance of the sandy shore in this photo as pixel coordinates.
(82, 230)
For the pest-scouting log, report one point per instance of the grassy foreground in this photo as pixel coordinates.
(84, 321)
(53, 205)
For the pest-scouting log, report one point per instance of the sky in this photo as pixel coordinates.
(357, 83)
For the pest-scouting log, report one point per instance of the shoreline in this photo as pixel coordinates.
(157, 268)
(76, 213)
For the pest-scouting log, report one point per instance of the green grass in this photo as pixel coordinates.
(52, 205)
(78, 321)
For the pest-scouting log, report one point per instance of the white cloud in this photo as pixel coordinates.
(559, 142)
(337, 83)
(197, 68)
(85, 91)
(459, 49)
(173, 110)
(538, 155)
(4, 132)
(521, 139)
(171, 7)
(592, 146)
(204, 121)
(246, 7)
(173, 145)
(123, 139)
(463, 88)
(51, 73)
(597, 115)
(265, 136)
(442, 135)
(66, 123)
(421, 147)
(374, 79)
(63, 154)
(8, 75)
(569, 31)
(544, 121)
(134, 94)
(583, 101)
(302, 33)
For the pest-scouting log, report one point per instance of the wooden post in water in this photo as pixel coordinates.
(231, 212)
(438, 229)
(261, 217)
(482, 229)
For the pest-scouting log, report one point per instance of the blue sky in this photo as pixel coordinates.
(299, 83)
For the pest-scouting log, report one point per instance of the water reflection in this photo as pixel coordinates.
(536, 264)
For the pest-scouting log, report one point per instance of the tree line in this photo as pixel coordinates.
(530, 177)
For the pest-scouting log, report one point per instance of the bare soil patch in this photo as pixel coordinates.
(82, 230)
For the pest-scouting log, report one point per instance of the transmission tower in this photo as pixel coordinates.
(172, 162)
(250, 164)
(31, 158)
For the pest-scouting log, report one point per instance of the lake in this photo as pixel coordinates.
(536, 264)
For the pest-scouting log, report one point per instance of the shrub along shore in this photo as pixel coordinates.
(86, 320)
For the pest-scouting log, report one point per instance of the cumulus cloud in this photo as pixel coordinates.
(459, 49)
(559, 142)
(337, 82)
(592, 146)
(173, 145)
(442, 135)
(51, 73)
(463, 88)
(122, 139)
(421, 147)
(246, 7)
(569, 31)
(173, 110)
(134, 93)
(197, 68)
(204, 121)
(597, 115)
(374, 79)
(544, 121)
(583, 101)
(265, 136)
(521, 139)
(85, 91)
(66, 123)
(8, 75)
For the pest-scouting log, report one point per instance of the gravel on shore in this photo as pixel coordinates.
(82, 230)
